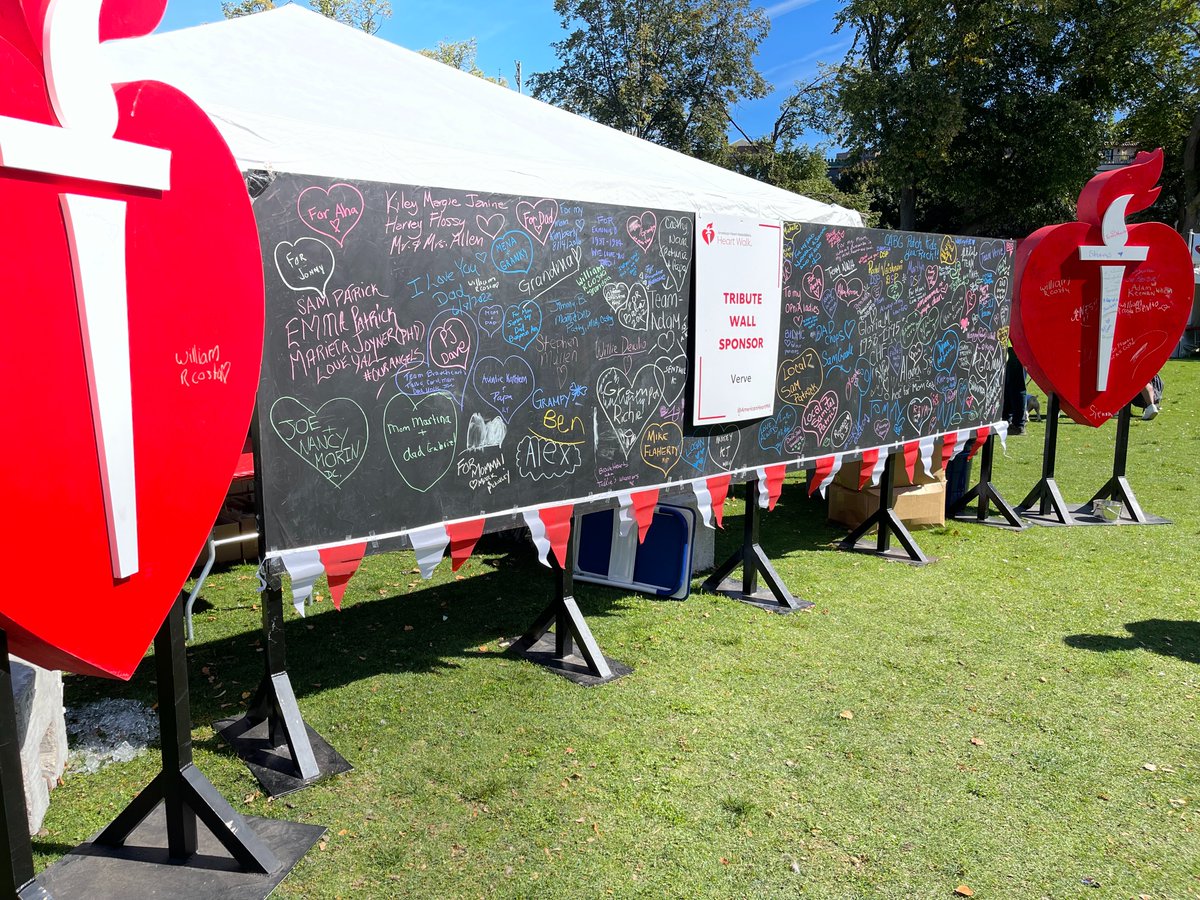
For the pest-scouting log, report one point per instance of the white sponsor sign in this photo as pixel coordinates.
(739, 266)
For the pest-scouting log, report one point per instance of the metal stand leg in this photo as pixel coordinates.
(1117, 487)
(16, 861)
(985, 492)
(775, 596)
(282, 752)
(1051, 508)
(573, 652)
(889, 523)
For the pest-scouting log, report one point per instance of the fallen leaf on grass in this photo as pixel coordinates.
(978, 742)
(1150, 767)
(724, 861)
(845, 714)
(963, 891)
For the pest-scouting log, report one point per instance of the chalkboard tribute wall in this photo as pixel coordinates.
(437, 354)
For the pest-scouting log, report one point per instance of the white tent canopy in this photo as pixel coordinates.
(293, 91)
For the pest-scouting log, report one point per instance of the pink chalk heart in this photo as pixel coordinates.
(814, 282)
(819, 414)
(537, 218)
(642, 229)
(332, 212)
(450, 344)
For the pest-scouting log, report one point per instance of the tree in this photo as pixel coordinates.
(461, 55)
(663, 70)
(1165, 112)
(367, 15)
(988, 116)
(778, 157)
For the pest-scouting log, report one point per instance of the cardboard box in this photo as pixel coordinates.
(228, 553)
(920, 503)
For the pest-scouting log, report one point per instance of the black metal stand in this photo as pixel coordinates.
(570, 650)
(1117, 487)
(889, 523)
(985, 493)
(775, 596)
(272, 738)
(16, 861)
(160, 826)
(1051, 508)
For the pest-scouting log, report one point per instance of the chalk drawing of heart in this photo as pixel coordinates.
(491, 318)
(522, 323)
(628, 403)
(931, 277)
(616, 295)
(642, 229)
(490, 225)
(332, 211)
(724, 442)
(512, 253)
(841, 428)
(945, 351)
(662, 443)
(306, 265)
(819, 414)
(882, 427)
(674, 369)
(421, 437)
(537, 218)
(675, 247)
(814, 282)
(695, 452)
(849, 290)
(635, 315)
(504, 385)
(773, 431)
(332, 438)
(920, 409)
(450, 344)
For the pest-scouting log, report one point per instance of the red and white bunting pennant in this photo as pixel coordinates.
(823, 466)
(949, 442)
(770, 484)
(550, 528)
(429, 543)
(303, 567)
(718, 490)
(926, 448)
(827, 468)
(703, 501)
(636, 506)
(911, 450)
(463, 537)
(340, 565)
(1002, 433)
(867, 466)
(981, 436)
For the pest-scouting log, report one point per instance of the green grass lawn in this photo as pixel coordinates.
(1020, 717)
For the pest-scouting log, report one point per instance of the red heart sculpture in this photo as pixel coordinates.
(1057, 307)
(195, 316)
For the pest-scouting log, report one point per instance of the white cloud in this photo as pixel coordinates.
(787, 6)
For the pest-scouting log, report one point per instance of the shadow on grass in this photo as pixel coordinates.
(798, 523)
(1167, 637)
(423, 629)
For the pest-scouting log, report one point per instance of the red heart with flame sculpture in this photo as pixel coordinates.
(194, 296)
(1096, 345)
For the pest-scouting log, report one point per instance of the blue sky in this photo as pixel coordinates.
(801, 37)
